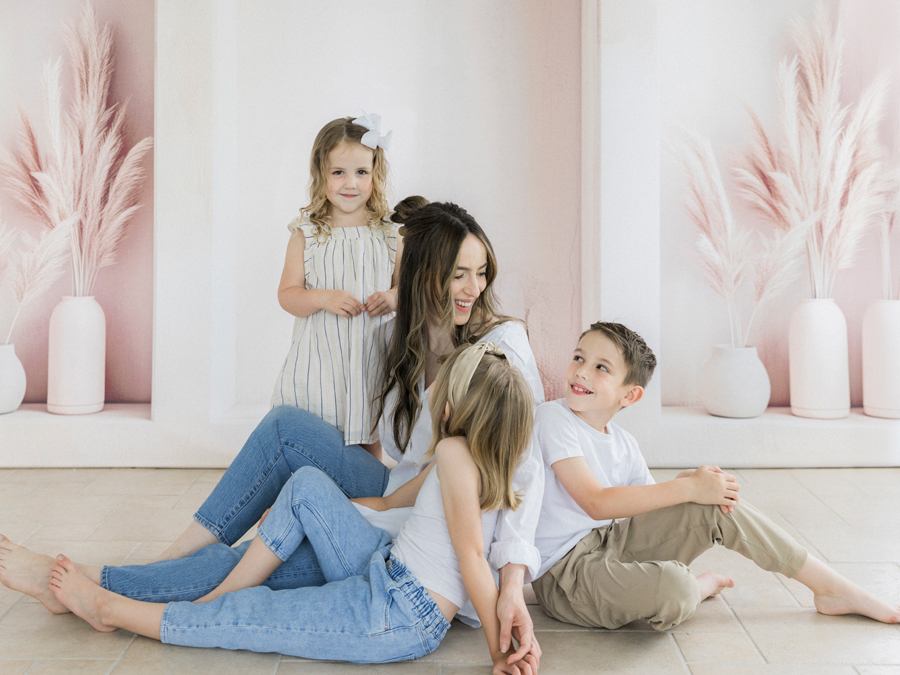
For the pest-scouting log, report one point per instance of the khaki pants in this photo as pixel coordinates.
(636, 568)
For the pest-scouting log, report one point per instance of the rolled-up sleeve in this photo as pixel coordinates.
(514, 537)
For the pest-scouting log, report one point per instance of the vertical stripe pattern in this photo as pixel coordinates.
(334, 363)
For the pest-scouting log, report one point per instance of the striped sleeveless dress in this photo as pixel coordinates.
(333, 368)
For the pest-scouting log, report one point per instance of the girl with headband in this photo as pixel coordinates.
(339, 281)
(382, 602)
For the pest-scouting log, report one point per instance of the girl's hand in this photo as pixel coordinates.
(341, 303)
(711, 485)
(527, 666)
(381, 303)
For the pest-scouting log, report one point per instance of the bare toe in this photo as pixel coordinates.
(84, 598)
(28, 572)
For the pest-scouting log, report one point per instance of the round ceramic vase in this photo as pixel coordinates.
(76, 369)
(881, 359)
(12, 380)
(734, 383)
(819, 369)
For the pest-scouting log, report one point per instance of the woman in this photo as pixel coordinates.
(445, 299)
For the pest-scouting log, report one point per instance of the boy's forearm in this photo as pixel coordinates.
(300, 302)
(633, 500)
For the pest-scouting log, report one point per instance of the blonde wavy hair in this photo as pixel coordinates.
(318, 211)
(494, 413)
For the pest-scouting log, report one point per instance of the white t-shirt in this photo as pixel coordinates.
(424, 545)
(614, 458)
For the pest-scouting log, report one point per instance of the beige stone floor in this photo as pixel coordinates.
(764, 626)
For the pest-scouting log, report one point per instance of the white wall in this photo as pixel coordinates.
(484, 102)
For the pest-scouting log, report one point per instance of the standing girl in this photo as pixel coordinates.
(381, 603)
(338, 280)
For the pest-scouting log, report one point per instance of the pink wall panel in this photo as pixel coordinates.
(30, 34)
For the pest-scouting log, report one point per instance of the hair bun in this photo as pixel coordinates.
(406, 208)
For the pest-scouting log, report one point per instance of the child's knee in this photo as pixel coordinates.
(678, 596)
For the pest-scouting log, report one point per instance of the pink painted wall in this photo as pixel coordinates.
(30, 34)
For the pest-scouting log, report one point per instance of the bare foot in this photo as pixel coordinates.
(29, 573)
(712, 584)
(84, 598)
(851, 599)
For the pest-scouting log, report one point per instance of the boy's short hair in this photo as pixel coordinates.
(639, 359)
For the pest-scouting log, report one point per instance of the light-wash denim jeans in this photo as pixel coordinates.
(372, 609)
(285, 440)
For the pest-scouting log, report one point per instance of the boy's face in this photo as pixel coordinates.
(595, 380)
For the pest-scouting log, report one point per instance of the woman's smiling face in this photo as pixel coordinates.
(469, 278)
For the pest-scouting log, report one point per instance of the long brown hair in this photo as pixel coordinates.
(433, 235)
(495, 415)
(318, 210)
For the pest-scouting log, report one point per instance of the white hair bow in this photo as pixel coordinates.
(373, 138)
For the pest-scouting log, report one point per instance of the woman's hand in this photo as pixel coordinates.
(340, 302)
(381, 303)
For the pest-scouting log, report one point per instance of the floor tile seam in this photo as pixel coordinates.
(746, 632)
(31, 534)
(110, 515)
(782, 580)
(122, 655)
(680, 653)
(819, 499)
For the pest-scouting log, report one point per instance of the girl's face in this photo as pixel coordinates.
(349, 177)
(469, 279)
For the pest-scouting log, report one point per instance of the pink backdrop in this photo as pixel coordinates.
(30, 34)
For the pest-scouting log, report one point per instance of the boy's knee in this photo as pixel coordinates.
(678, 596)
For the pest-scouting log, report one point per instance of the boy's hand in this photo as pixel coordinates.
(341, 303)
(711, 485)
(687, 473)
(381, 303)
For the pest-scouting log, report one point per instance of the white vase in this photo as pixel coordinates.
(76, 369)
(734, 382)
(819, 368)
(12, 380)
(881, 359)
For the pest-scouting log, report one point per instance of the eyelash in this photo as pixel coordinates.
(481, 274)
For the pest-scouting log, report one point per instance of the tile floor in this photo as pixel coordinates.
(764, 626)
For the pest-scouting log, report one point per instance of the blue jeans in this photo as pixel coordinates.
(287, 439)
(372, 609)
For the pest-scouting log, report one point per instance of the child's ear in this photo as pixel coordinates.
(635, 394)
(446, 415)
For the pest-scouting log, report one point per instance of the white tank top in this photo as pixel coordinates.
(423, 544)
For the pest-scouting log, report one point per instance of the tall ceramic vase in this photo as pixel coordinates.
(76, 371)
(881, 359)
(819, 368)
(734, 382)
(12, 380)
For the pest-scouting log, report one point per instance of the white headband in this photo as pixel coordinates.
(465, 366)
(373, 138)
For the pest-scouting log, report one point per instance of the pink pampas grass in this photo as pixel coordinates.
(726, 253)
(827, 171)
(81, 170)
(33, 270)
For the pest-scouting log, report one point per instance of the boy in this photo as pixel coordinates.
(596, 571)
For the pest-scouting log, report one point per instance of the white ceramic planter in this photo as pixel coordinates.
(817, 349)
(12, 380)
(76, 370)
(881, 359)
(734, 383)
